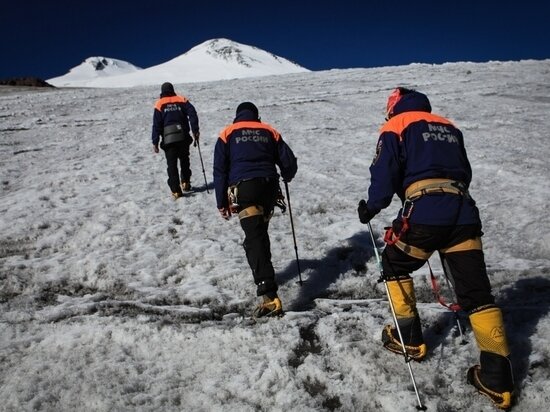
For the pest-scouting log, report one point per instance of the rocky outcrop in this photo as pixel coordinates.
(25, 81)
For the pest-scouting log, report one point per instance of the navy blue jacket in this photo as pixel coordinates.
(173, 109)
(248, 149)
(415, 145)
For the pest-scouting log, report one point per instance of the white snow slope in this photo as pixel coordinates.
(216, 59)
(114, 297)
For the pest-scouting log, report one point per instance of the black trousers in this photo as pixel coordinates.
(467, 268)
(259, 192)
(175, 152)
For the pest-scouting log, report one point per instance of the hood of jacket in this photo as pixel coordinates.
(412, 102)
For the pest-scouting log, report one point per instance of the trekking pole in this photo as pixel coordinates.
(383, 279)
(293, 234)
(455, 307)
(196, 143)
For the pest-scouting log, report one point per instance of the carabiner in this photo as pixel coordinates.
(407, 208)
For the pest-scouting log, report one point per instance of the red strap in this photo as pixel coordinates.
(391, 238)
(455, 307)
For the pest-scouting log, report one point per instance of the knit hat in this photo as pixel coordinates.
(248, 106)
(167, 88)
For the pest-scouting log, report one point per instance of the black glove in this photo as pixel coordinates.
(364, 215)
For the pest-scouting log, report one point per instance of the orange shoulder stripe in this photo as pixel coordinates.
(400, 122)
(170, 99)
(224, 134)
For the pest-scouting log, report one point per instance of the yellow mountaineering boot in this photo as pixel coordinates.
(403, 299)
(270, 307)
(493, 376)
(390, 339)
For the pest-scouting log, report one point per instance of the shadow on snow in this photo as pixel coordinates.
(319, 274)
(524, 303)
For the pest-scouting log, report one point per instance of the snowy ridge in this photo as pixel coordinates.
(217, 59)
(114, 297)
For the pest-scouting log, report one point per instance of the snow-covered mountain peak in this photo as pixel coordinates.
(92, 69)
(231, 51)
(228, 50)
(216, 59)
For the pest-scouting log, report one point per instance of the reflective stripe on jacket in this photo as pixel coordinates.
(248, 149)
(417, 145)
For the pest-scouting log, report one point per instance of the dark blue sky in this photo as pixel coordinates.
(47, 38)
